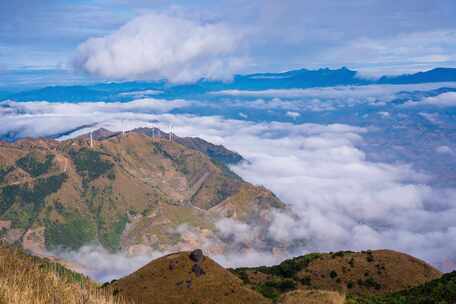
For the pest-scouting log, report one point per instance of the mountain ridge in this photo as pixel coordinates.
(300, 78)
(132, 191)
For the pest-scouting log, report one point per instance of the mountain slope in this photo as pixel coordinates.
(131, 191)
(363, 273)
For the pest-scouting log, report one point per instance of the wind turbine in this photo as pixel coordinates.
(91, 139)
(171, 132)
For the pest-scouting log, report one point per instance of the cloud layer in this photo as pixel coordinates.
(159, 46)
(445, 100)
(341, 198)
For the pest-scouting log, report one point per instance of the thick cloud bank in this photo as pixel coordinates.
(158, 46)
(342, 199)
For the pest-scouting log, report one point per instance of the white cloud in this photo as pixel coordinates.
(444, 100)
(365, 91)
(292, 114)
(159, 46)
(444, 150)
(141, 94)
(45, 118)
(395, 54)
(105, 266)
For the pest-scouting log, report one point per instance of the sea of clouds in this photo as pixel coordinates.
(342, 199)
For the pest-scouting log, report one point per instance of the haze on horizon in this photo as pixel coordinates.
(52, 42)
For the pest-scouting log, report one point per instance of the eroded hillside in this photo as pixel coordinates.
(133, 191)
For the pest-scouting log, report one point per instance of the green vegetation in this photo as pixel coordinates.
(369, 283)
(285, 276)
(33, 166)
(440, 291)
(90, 164)
(31, 200)
(220, 154)
(75, 232)
(112, 237)
(273, 289)
(289, 268)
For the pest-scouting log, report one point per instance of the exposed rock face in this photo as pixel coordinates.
(135, 191)
(197, 256)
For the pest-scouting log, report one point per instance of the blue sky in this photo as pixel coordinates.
(41, 38)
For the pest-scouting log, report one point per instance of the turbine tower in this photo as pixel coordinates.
(171, 135)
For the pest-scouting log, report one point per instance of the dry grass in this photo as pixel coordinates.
(312, 297)
(29, 280)
(171, 280)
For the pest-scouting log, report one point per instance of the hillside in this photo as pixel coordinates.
(362, 273)
(26, 279)
(192, 277)
(185, 277)
(442, 291)
(135, 191)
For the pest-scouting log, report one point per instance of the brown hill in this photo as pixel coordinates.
(357, 273)
(185, 277)
(133, 191)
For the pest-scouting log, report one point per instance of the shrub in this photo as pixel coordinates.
(307, 280)
(289, 268)
(90, 165)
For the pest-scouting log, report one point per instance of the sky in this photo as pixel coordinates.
(50, 41)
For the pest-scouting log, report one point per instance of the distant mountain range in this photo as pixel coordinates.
(303, 78)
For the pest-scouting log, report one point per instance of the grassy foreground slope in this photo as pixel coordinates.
(26, 279)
